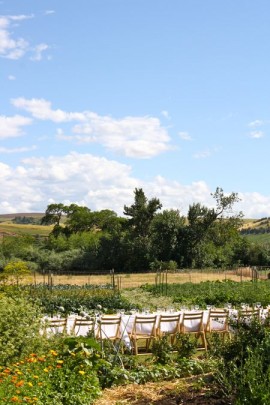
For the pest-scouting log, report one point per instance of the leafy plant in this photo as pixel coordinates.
(19, 328)
(59, 378)
(161, 350)
(185, 346)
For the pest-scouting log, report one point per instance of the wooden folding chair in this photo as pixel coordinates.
(83, 326)
(144, 328)
(218, 322)
(168, 325)
(246, 316)
(192, 324)
(108, 328)
(55, 326)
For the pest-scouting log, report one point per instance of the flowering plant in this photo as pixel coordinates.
(67, 377)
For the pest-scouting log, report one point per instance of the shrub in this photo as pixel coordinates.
(19, 328)
(243, 374)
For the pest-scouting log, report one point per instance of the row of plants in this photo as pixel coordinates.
(216, 293)
(70, 299)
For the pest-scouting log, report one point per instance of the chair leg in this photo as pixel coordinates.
(135, 347)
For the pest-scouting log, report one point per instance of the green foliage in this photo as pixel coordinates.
(216, 293)
(14, 271)
(185, 346)
(16, 246)
(244, 365)
(164, 232)
(61, 377)
(74, 299)
(26, 220)
(19, 328)
(161, 350)
(142, 212)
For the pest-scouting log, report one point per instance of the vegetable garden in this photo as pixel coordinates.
(75, 370)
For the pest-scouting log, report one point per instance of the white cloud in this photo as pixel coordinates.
(165, 114)
(256, 134)
(11, 48)
(17, 150)
(185, 136)
(11, 77)
(38, 52)
(202, 154)
(16, 48)
(100, 183)
(41, 109)
(49, 12)
(20, 17)
(74, 178)
(256, 123)
(136, 137)
(11, 127)
(254, 205)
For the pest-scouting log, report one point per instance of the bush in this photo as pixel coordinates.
(19, 328)
(244, 365)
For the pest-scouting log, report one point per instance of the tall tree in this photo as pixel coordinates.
(53, 216)
(79, 219)
(164, 232)
(141, 212)
(203, 220)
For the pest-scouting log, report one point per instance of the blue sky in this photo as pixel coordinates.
(101, 96)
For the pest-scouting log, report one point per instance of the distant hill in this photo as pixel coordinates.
(10, 217)
(8, 227)
(256, 225)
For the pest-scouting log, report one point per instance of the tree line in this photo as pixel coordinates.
(145, 238)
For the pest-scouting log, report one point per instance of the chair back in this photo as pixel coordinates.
(55, 326)
(145, 325)
(248, 315)
(218, 320)
(109, 327)
(192, 322)
(83, 326)
(168, 324)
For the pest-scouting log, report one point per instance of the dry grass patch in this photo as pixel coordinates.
(138, 279)
(164, 392)
(198, 390)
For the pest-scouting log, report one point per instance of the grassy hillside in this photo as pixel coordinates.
(257, 230)
(7, 227)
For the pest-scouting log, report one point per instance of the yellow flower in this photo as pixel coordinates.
(53, 352)
(81, 372)
(46, 370)
(35, 376)
(30, 384)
